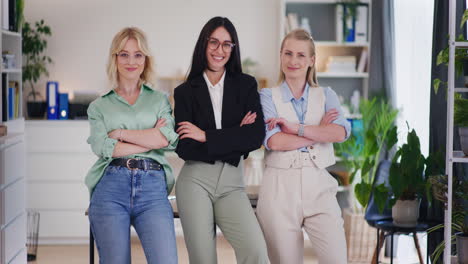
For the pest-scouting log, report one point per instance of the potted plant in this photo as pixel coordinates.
(408, 181)
(372, 136)
(459, 215)
(363, 150)
(35, 63)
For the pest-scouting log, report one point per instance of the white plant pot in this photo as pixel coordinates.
(406, 213)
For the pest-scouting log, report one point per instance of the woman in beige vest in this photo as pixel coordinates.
(302, 121)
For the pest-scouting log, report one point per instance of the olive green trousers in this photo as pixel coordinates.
(210, 195)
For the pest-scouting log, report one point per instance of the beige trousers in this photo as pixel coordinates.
(301, 197)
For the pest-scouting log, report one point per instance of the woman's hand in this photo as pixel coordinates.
(249, 118)
(115, 134)
(329, 117)
(285, 126)
(189, 130)
(160, 123)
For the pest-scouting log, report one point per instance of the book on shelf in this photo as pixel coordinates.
(287, 28)
(352, 27)
(341, 64)
(339, 23)
(5, 17)
(361, 24)
(9, 15)
(362, 61)
(293, 21)
(348, 25)
(12, 25)
(4, 97)
(13, 100)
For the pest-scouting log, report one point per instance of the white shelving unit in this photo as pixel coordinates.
(13, 215)
(11, 43)
(322, 16)
(452, 156)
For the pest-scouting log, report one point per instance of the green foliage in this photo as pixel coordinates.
(461, 112)
(34, 45)
(362, 151)
(407, 171)
(439, 185)
(461, 56)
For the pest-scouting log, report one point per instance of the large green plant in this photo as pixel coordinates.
(362, 151)
(459, 211)
(34, 46)
(409, 170)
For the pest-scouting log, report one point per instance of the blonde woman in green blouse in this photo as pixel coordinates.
(131, 126)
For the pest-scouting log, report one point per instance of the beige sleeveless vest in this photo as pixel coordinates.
(321, 154)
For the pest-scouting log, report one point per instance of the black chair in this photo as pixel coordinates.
(372, 212)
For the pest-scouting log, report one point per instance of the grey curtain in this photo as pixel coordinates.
(382, 53)
(438, 105)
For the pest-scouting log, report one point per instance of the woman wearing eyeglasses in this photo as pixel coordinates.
(131, 126)
(219, 120)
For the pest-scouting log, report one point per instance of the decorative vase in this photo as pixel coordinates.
(405, 213)
(463, 132)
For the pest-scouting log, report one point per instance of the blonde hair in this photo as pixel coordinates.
(120, 39)
(300, 34)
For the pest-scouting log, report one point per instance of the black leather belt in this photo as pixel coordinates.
(136, 164)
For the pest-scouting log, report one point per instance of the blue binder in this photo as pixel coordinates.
(11, 102)
(52, 100)
(63, 106)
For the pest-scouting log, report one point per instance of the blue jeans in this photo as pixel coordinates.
(126, 197)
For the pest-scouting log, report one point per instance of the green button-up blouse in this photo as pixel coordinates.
(111, 111)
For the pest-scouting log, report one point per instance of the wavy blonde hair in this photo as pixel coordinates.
(148, 75)
(300, 34)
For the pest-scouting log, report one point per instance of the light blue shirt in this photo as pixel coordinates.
(300, 106)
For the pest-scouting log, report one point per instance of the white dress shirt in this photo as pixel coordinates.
(216, 95)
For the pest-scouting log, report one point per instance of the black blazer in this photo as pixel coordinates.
(193, 104)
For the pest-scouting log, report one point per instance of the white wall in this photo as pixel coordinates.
(82, 32)
(413, 37)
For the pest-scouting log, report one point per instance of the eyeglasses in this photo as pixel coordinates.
(227, 46)
(124, 57)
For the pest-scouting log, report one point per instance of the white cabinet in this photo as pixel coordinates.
(58, 159)
(12, 199)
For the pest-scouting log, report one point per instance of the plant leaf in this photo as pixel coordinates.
(362, 192)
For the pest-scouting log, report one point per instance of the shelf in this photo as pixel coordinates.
(461, 90)
(10, 33)
(342, 75)
(459, 157)
(461, 44)
(340, 44)
(11, 70)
